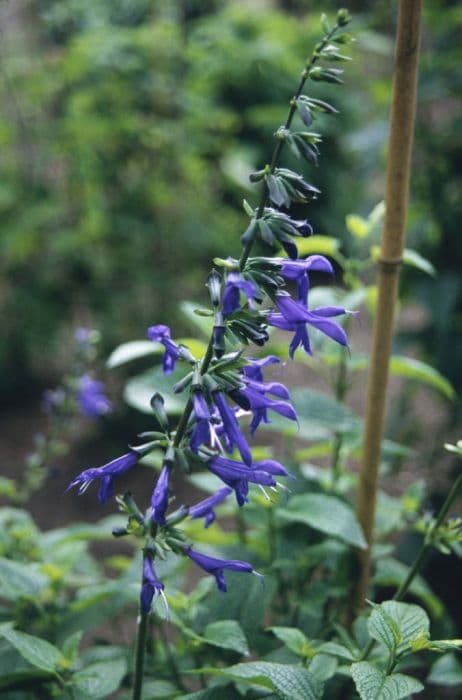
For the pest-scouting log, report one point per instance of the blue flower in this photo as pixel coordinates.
(90, 396)
(161, 334)
(294, 316)
(253, 397)
(238, 475)
(234, 284)
(205, 508)
(216, 567)
(106, 474)
(159, 498)
(151, 585)
(204, 432)
(230, 429)
(298, 270)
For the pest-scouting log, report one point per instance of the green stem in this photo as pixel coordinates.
(422, 553)
(140, 653)
(279, 145)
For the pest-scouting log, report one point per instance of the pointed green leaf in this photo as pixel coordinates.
(227, 634)
(20, 580)
(391, 572)
(384, 629)
(327, 514)
(36, 651)
(133, 351)
(294, 639)
(357, 226)
(415, 369)
(140, 389)
(289, 682)
(411, 620)
(100, 679)
(373, 684)
(414, 259)
(446, 671)
(202, 323)
(321, 245)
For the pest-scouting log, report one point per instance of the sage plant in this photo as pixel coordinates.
(247, 296)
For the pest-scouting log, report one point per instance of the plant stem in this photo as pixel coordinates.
(140, 653)
(423, 551)
(279, 145)
(396, 196)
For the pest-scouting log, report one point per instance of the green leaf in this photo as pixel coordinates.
(140, 389)
(411, 620)
(14, 670)
(133, 351)
(391, 572)
(20, 580)
(446, 671)
(384, 629)
(323, 667)
(71, 645)
(322, 245)
(217, 693)
(202, 323)
(294, 639)
(373, 684)
(445, 644)
(327, 514)
(414, 259)
(314, 408)
(410, 368)
(36, 651)
(100, 679)
(155, 690)
(289, 682)
(336, 649)
(227, 634)
(357, 226)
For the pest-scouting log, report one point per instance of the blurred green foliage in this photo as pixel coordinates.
(120, 168)
(128, 129)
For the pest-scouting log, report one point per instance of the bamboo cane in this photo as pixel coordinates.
(392, 244)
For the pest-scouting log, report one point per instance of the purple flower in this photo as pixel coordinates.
(159, 498)
(234, 284)
(204, 432)
(254, 369)
(294, 316)
(298, 270)
(91, 399)
(53, 399)
(161, 334)
(253, 396)
(238, 475)
(216, 567)
(205, 508)
(151, 585)
(230, 429)
(106, 474)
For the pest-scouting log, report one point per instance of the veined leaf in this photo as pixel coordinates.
(372, 684)
(289, 682)
(36, 651)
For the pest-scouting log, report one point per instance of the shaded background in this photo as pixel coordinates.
(127, 131)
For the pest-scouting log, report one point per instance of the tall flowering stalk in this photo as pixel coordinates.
(226, 384)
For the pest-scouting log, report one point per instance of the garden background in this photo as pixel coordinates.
(128, 129)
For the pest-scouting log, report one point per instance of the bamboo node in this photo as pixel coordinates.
(389, 266)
